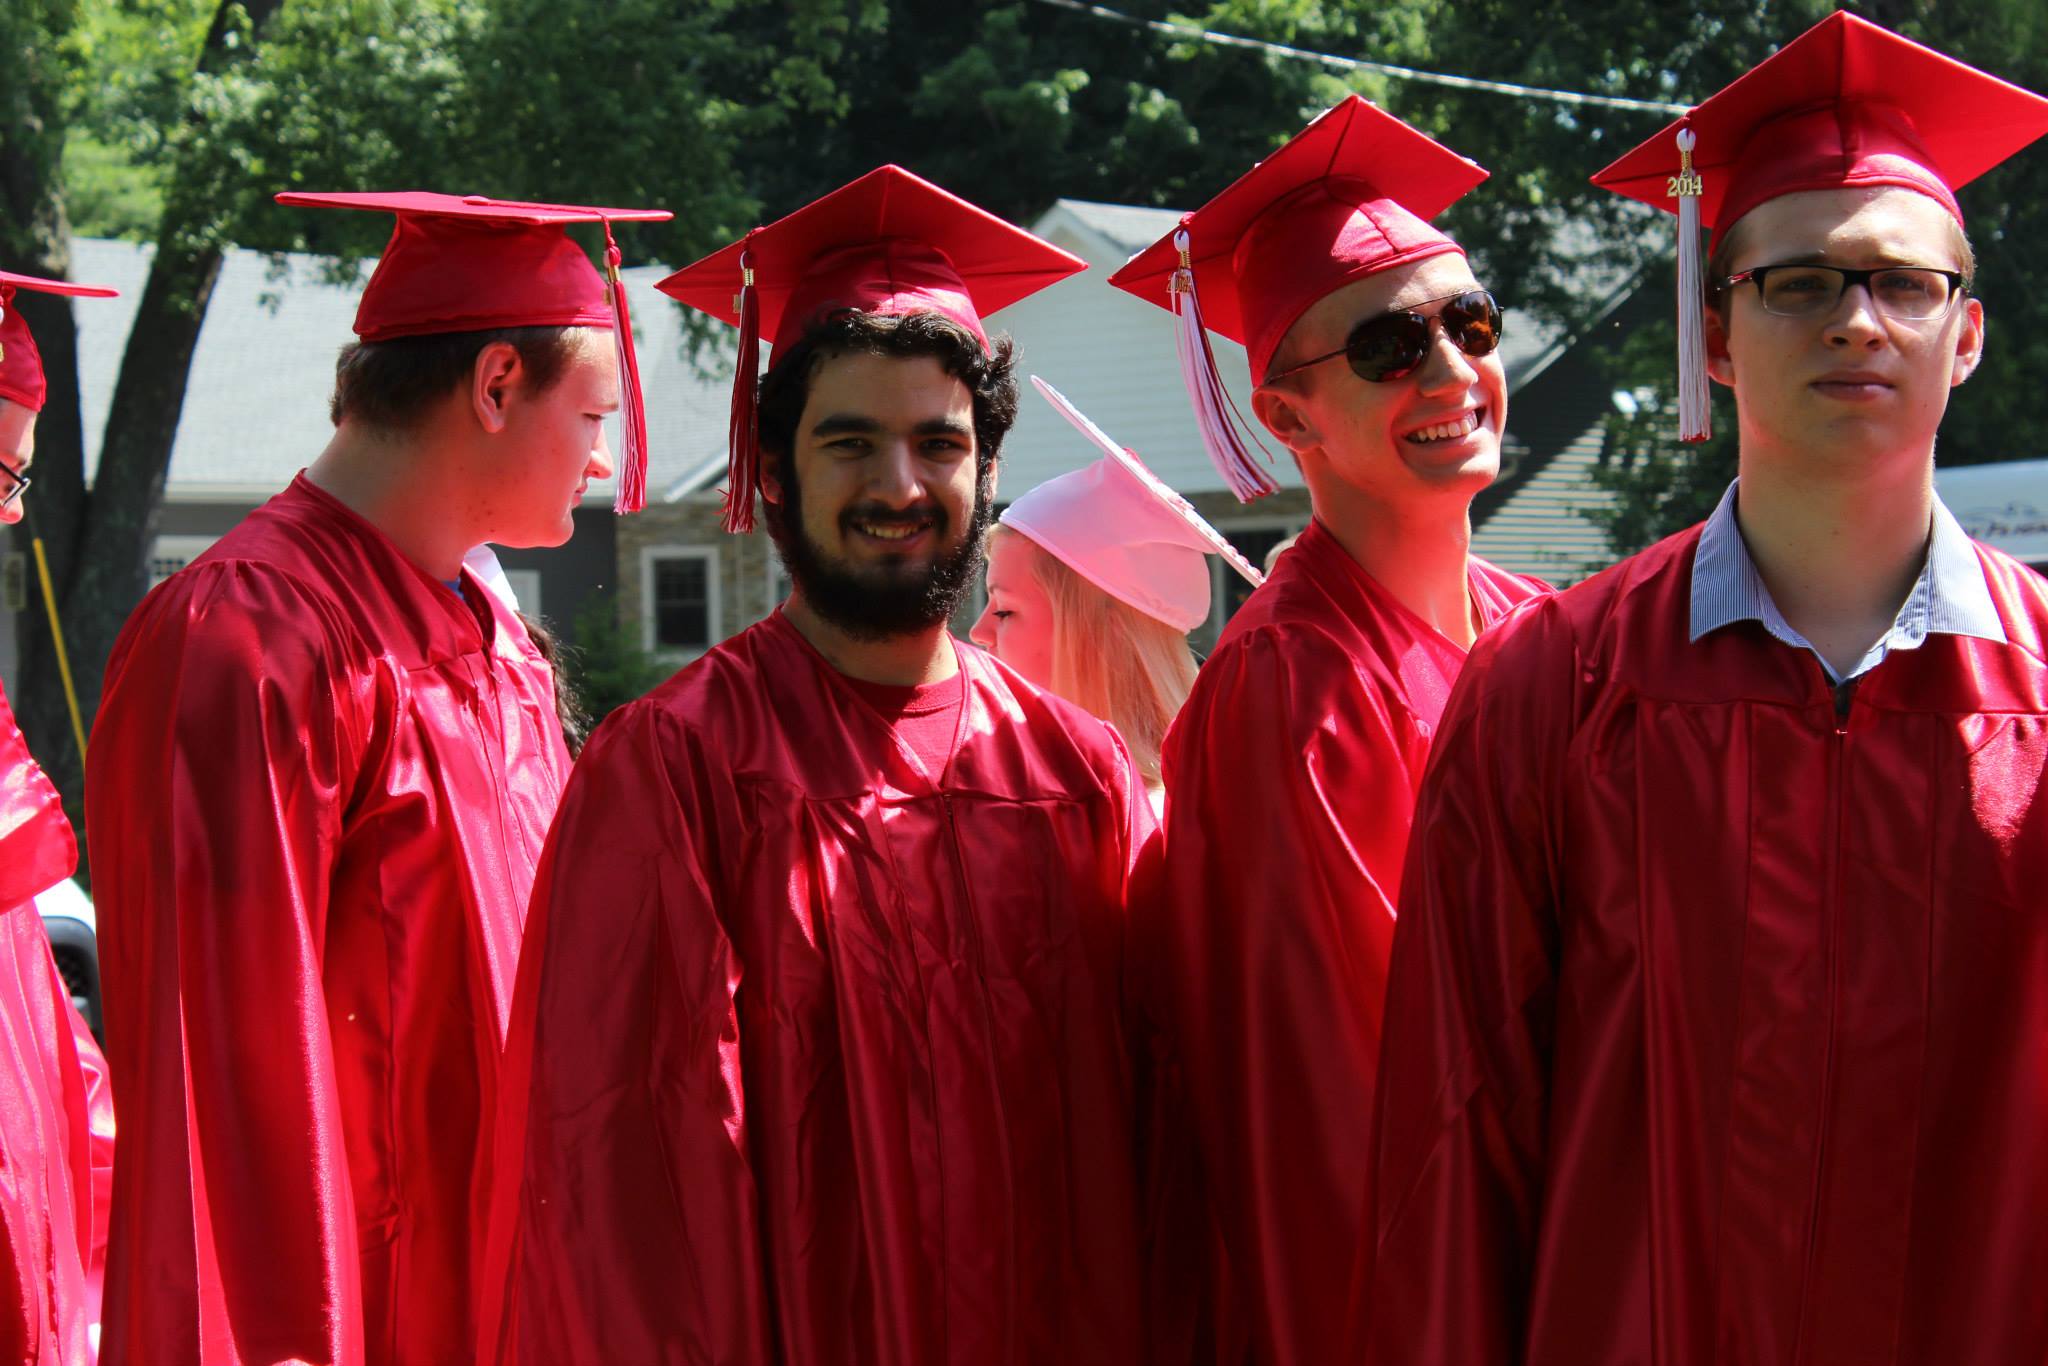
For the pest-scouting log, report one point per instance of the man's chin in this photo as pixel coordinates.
(1474, 471)
(908, 596)
(541, 538)
(888, 574)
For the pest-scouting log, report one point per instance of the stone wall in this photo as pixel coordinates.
(693, 524)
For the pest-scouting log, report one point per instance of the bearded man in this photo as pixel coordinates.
(816, 1053)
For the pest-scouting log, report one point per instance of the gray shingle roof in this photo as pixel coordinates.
(256, 405)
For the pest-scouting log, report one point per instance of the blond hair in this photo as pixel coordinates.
(1132, 670)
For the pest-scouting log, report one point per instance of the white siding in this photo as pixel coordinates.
(1541, 530)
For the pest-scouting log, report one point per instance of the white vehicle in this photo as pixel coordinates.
(74, 943)
(2003, 504)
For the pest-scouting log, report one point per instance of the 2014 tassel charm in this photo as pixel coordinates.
(1695, 408)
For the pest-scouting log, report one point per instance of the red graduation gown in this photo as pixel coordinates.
(1718, 1023)
(817, 1057)
(56, 1116)
(1290, 776)
(318, 790)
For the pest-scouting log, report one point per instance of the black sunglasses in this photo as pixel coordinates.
(1392, 345)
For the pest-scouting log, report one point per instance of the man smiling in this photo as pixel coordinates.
(1715, 1024)
(816, 1053)
(1291, 771)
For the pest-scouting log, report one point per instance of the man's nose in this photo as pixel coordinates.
(893, 476)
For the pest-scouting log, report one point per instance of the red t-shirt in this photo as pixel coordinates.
(926, 716)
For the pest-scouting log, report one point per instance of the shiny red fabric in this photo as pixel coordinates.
(56, 1116)
(1290, 774)
(21, 365)
(1348, 196)
(817, 1057)
(889, 242)
(317, 793)
(469, 263)
(1846, 103)
(1715, 1026)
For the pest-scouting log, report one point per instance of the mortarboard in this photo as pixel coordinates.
(1349, 196)
(1119, 526)
(466, 263)
(1845, 104)
(21, 365)
(888, 243)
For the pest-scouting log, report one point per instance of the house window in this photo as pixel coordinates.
(679, 594)
(171, 553)
(1228, 590)
(1254, 543)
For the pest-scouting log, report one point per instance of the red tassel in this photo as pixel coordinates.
(1216, 413)
(632, 486)
(743, 467)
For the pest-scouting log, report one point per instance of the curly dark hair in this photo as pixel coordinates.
(390, 384)
(990, 375)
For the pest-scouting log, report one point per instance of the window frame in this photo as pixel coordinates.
(650, 557)
(170, 547)
(1220, 574)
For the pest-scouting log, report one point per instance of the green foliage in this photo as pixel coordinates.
(728, 111)
(607, 665)
(107, 192)
(1015, 104)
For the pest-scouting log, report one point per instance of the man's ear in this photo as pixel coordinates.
(1720, 365)
(1281, 410)
(770, 480)
(1969, 342)
(493, 382)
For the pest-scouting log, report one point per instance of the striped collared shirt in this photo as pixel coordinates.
(1949, 597)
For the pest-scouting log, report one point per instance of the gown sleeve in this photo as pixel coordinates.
(1464, 1069)
(1288, 792)
(219, 768)
(98, 1143)
(622, 1222)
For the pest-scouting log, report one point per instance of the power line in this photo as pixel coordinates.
(1526, 92)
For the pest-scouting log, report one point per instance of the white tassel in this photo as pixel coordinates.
(1214, 408)
(1695, 407)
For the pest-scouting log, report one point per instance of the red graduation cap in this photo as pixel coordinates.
(889, 242)
(465, 263)
(21, 365)
(1349, 196)
(1845, 104)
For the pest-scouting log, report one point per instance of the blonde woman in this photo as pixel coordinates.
(1094, 580)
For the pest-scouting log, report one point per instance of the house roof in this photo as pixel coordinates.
(1128, 228)
(256, 405)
